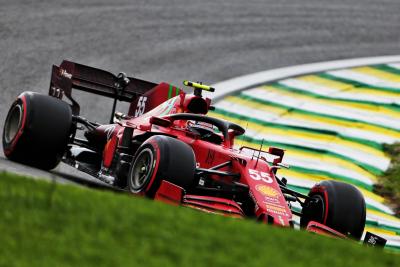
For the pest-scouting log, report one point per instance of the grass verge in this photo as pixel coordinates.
(389, 186)
(48, 224)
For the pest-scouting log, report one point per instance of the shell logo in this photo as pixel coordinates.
(267, 191)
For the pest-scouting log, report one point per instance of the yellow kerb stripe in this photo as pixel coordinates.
(310, 136)
(318, 158)
(374, 109)
(348, 88)
(379, 74)
(291, 174)
(283, 112)
(325, 82)
(377, 230)
(384, 215)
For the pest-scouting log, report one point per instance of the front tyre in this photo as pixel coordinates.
(338, 205)
(36, 130)
(161, 158)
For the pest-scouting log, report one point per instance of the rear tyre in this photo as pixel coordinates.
(36, 130)
(337, 205)
(161, 158)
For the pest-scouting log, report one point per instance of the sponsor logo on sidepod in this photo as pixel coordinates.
(267, 191)
(278, 210)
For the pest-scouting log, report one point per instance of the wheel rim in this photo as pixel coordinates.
(142, 169)
(13, 123)
(315, 210)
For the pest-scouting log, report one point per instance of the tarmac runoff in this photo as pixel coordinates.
(331, 117)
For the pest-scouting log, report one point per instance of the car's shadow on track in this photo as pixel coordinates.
(62, 174)
(84, 181)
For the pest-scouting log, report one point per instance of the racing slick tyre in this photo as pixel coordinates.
(36, 130)
(337, 205)
(161, 158)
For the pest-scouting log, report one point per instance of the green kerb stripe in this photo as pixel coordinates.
(312, 151)
(314, 113)
(333, 176)
(356, 83)
(299, 129)
(384, 227)
(299, 189)
(387, 68)
(316, 151)
(337, 99)
(305, 191)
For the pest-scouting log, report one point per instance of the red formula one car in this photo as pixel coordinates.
(165, 147)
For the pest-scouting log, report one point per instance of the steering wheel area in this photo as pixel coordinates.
(204, 131)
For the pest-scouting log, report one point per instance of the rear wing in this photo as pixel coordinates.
(70, 75)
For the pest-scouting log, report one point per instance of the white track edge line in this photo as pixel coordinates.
(236, 84)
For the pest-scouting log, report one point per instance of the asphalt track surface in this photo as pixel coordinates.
(173, 40)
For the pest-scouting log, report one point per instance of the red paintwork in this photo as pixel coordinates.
(154, 97)
(110, 147)
(169, 193)
(321, 229)
(265, 191)
(214, 205)
(14, 142)
(322, 189)
(175, 195)
(157, 150)
(326, 206)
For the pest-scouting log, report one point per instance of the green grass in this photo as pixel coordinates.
(389, 183)
(48, 224)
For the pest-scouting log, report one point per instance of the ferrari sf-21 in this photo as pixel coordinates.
(165, 147)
